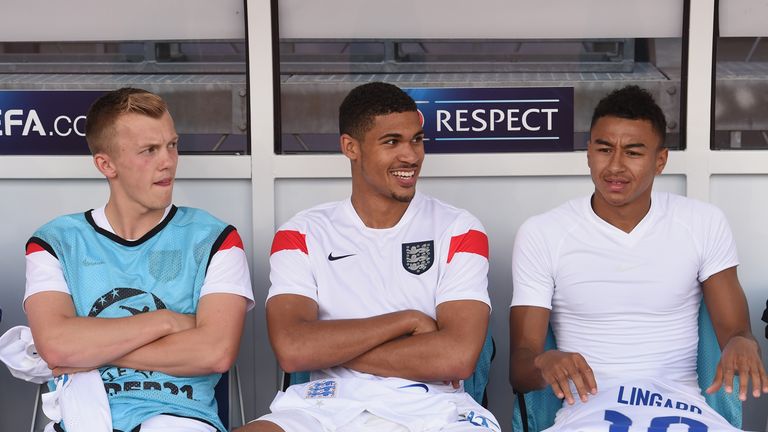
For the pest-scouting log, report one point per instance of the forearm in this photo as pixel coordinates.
(93, 342)
(315, 344)
(188, 353)
(523, 373)
(210, 347)
(427, 357)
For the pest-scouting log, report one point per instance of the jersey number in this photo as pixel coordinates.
(621, 423)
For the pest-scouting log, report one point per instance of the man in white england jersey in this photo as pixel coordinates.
(151, 294)
(620, 276)
(382, 296)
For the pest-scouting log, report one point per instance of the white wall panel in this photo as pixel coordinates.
(403, 19)
(111, 20)
(745, 18)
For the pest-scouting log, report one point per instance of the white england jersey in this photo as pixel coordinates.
(436, 253)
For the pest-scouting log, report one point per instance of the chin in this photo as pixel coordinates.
(403, 198)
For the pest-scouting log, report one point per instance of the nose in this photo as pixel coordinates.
(616, 164)
(168, 158)
(410, 152)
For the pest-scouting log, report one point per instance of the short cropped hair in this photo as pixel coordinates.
(367, 101)
(103, 114)
(632, 103)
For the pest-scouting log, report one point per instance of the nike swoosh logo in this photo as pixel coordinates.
(418, 385)
(334, 258)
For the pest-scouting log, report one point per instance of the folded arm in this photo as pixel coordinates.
(741, 356)
(211, 346)
(447, 354)
(302, 342)
(65, 340)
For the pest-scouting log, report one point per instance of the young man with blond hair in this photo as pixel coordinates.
(152, 294)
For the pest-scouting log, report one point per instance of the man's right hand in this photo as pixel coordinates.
(423, 323)
(558, 368)
(180, 322)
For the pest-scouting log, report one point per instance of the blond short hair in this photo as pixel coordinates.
(104, 113)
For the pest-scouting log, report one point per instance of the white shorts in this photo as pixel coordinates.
(357, 405)
(640, 405)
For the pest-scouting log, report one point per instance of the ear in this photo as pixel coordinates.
(661, 160)
(350, 147)
(105, 165)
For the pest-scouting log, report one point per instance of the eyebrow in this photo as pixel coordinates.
(625, 146)
(399, 135)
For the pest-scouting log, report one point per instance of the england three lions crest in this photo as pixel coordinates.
(419, 256)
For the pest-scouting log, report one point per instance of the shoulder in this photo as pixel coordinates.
(57, 226)
(559, 220)
(444, 214)
(194, 216)
(313, 217)
(687, 211)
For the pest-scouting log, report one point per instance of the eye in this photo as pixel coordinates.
(391, 141)
(418, 139)
(173, 144)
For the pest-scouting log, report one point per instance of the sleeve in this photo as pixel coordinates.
(44, 272)
(466, 263)
(228, 270)
(718, 246)
(532, 273)
(290, 268)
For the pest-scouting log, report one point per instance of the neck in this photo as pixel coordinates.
(624, 217)
(379, 213)
(131, 223)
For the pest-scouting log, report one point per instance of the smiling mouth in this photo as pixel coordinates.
(406, 175)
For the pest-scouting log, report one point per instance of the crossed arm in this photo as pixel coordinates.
(406, 344)
(165, 341)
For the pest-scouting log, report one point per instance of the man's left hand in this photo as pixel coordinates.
(741, 356)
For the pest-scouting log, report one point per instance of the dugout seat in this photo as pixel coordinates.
(474, 385)
(535, 411)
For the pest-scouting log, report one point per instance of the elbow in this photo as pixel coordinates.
(461, 367)
(222, 365)
(292, 359)
(290, 363)
(53, 357)
(223, 360)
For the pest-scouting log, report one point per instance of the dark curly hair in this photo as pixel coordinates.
(367, 101)
(632, 103)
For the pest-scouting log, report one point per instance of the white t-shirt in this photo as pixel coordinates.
(227, 273)
(628, 302)
(436, 253)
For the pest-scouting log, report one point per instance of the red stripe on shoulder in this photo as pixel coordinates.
(34, 247)
(472, 241)
(232, 240)
(289, 240)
